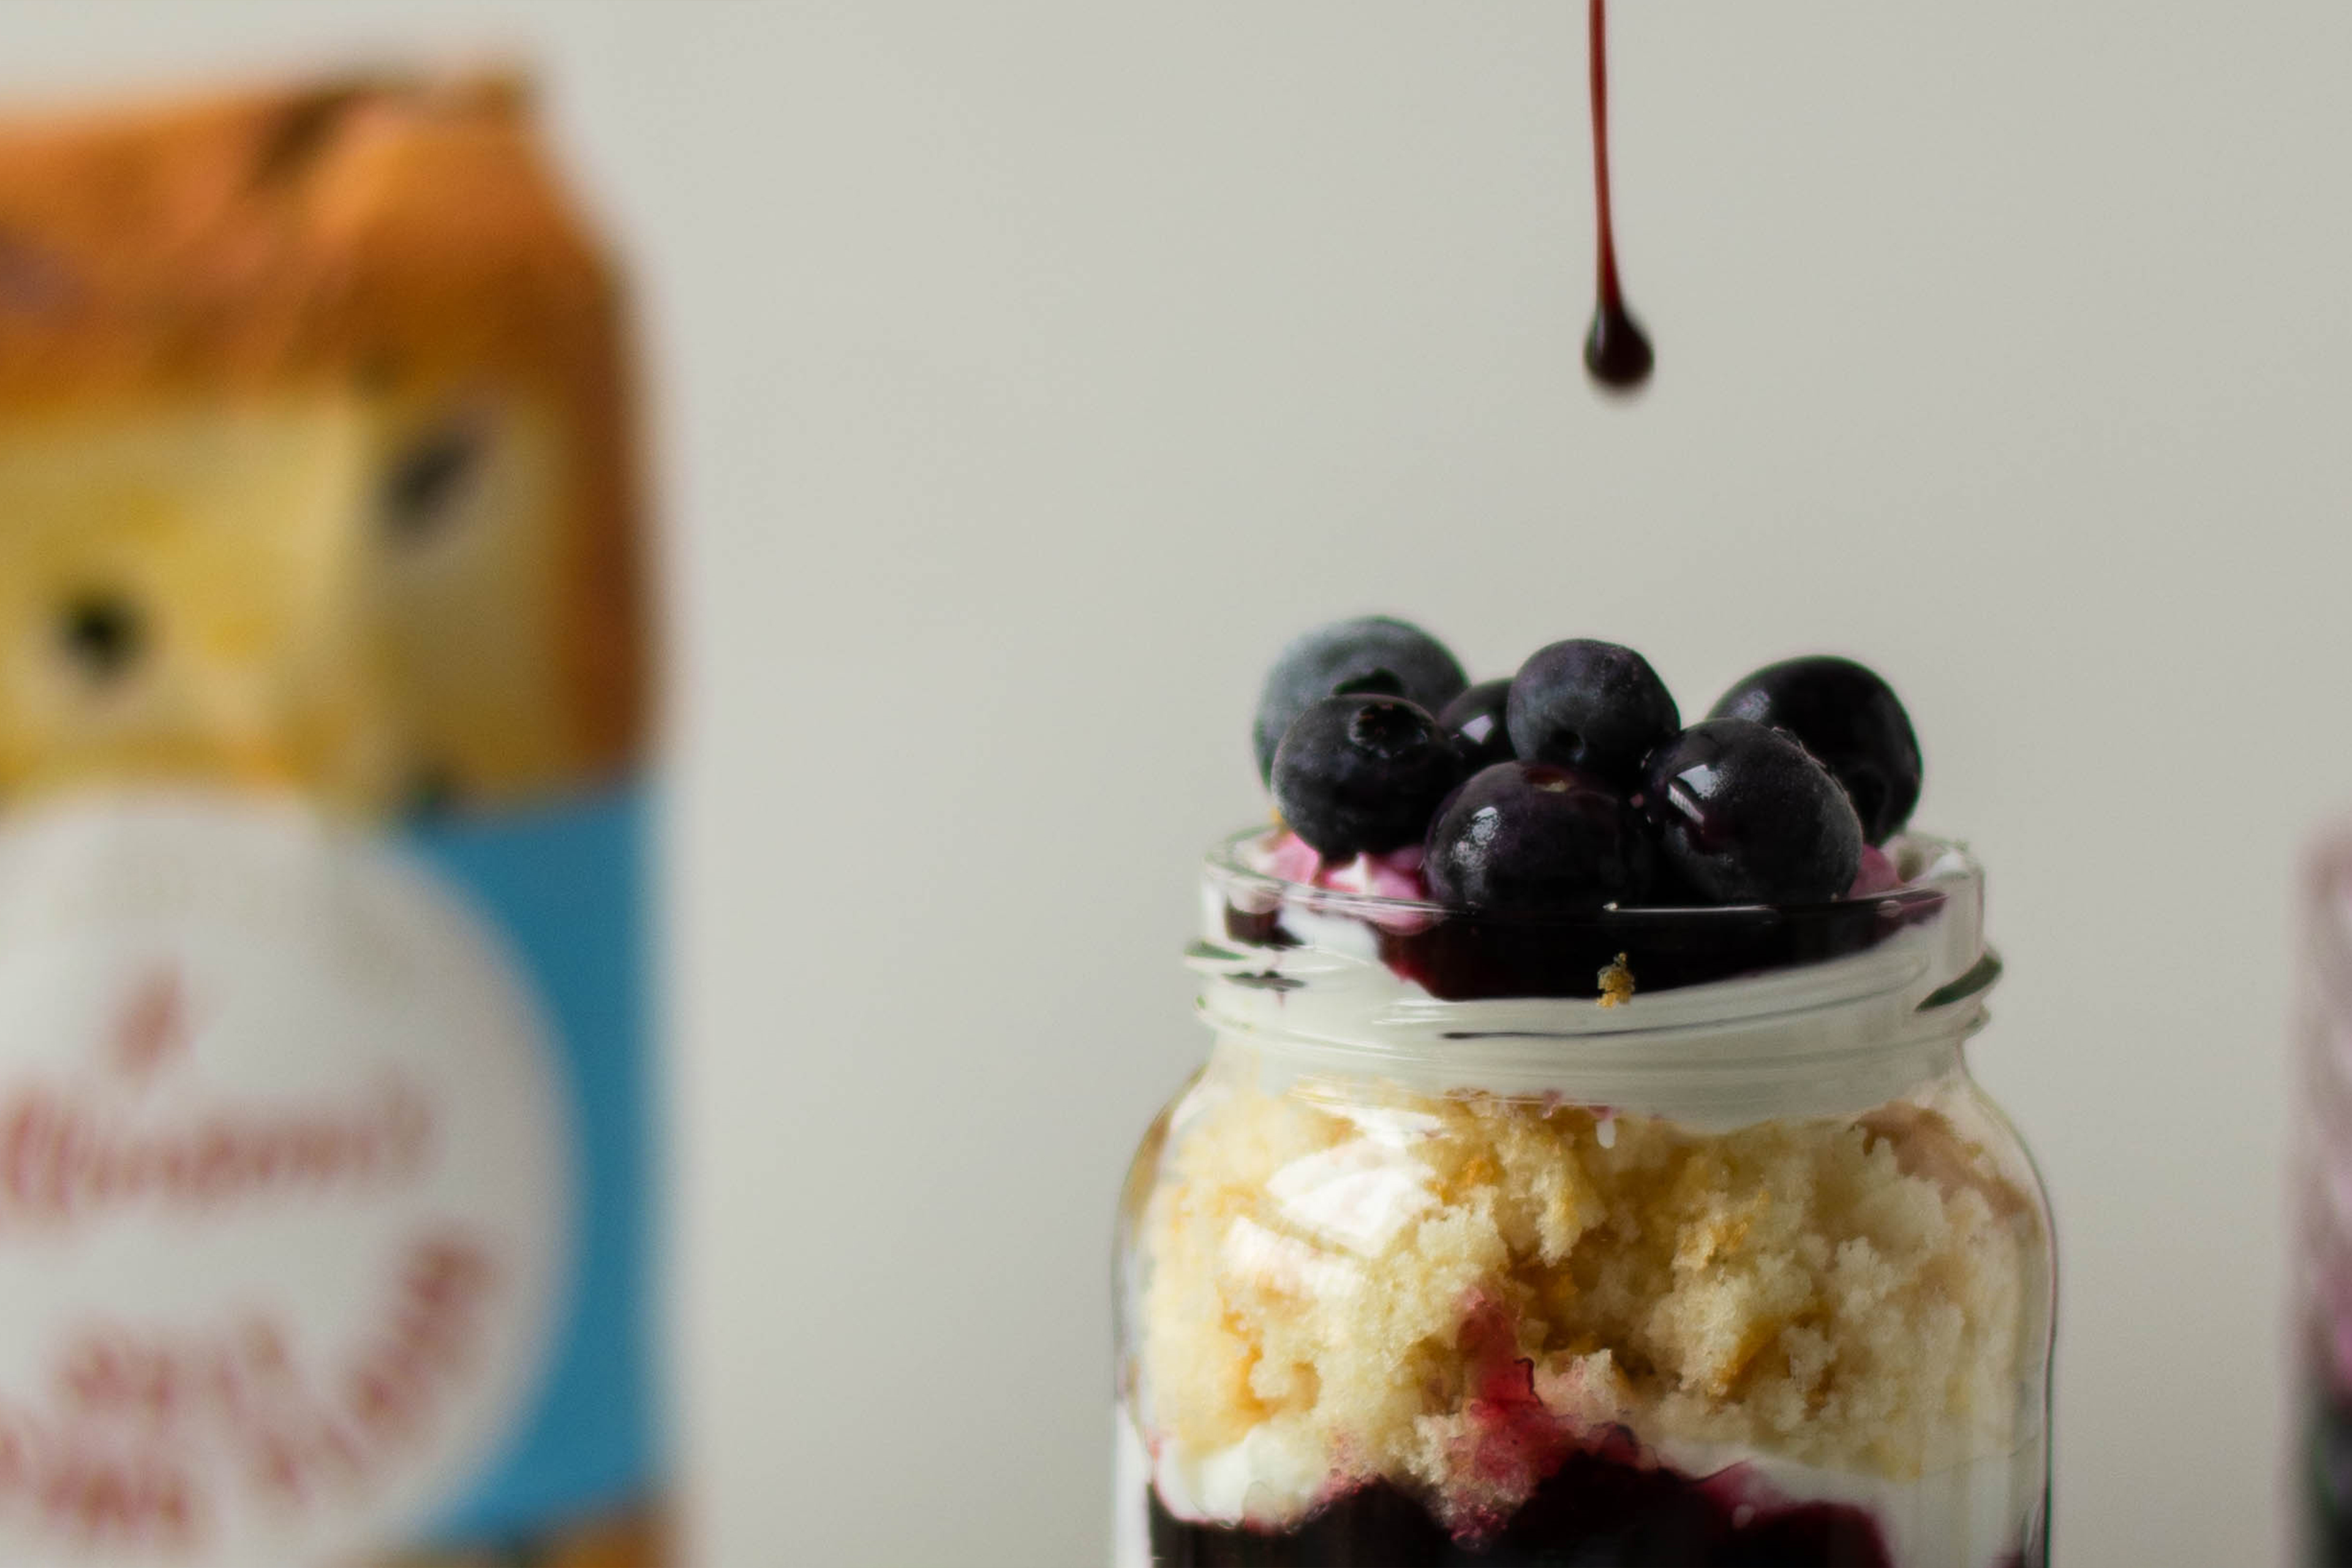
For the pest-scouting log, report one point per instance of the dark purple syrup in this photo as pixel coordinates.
(1463, 957)
(1605, 1507)
(1617, 352)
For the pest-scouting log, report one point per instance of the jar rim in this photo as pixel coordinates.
(1617, 953)
(1325, 982)
(1937, 867)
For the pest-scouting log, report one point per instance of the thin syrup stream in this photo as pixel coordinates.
(1617, 352)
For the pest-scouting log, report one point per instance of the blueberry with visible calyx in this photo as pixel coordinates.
(1532, 837)
(1591, 705)
(1360, 774)
(1474, 723)
(1848, 717)
(1415, 665)
(1745, 815)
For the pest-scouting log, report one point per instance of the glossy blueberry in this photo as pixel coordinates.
(1528, 836)
(1845, 715)
(1362, 773)
(1352, 653)
(1474, 723)
(1745, 815)
(1591, 705)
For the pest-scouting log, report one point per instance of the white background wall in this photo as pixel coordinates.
(1029, 370)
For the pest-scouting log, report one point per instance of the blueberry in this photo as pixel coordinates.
(1591, 705)
(1529, 836)
(1313, 667)
(1849, 718)
(1745, 815)
(1362, 773)
(1474, 723)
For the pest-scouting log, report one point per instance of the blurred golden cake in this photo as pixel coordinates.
(315, 452)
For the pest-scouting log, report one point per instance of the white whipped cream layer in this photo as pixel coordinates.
(1832, 1038)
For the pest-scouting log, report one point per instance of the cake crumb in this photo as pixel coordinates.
(1616, 984)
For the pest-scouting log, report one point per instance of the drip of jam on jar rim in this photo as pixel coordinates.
(1617, 352)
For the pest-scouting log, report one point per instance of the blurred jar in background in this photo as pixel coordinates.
(2324, 1203)
(323, 1135)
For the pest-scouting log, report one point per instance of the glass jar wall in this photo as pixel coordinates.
(1643, 1237)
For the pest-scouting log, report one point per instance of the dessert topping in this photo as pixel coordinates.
(1573, 787)
(1414, 664)
(1850, 718)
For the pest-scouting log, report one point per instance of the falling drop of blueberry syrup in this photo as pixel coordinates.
(1617, 352)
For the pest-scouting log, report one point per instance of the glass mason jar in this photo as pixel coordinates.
(1645, 1238)
(2323, 1194)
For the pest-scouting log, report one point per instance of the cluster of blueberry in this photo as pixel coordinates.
(1573, 784)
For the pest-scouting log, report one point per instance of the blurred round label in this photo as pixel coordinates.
(285, 1188)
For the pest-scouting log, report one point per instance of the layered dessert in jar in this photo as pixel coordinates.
(1585, 1168)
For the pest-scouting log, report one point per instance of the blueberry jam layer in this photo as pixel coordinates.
(1601, 1509)
(1597, 1511)
(1594, 1512)
(1460, 957)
